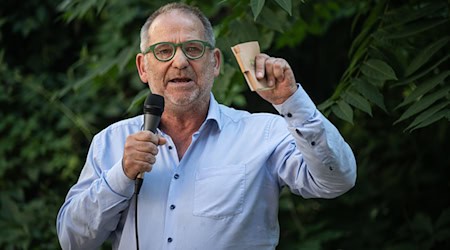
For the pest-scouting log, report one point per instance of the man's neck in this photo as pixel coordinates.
(180, 125)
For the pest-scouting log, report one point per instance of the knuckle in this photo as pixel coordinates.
(142, 166)
(152, 160)
(271, 60)
(147, 167)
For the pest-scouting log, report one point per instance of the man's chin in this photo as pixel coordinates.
(182, 100)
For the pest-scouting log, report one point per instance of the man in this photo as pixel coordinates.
(213, 175)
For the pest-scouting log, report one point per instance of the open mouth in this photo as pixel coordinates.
(181, 80)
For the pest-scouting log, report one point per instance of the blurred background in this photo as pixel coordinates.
(377, 69)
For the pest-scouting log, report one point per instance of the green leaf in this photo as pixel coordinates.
(286, 5)
(423, 104)
(257, 6)
(426, 115)
(125, 57)
(138, 99)
(101, 69)
(408, 14)
(343, 111)
(368, 25)
(425, 55)
(266, 40)
(243, 31)
(361, 41)
(272, 20)
(434, 118)
(424, 88)
(370, 92)
(357, 101)
(360, 52)
(413, 29)
(421, 74)
(356, 56)
(100, 5)
(378, 69)
(325, 105)
(75, 118)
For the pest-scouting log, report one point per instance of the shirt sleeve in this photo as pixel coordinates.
(317, 162)
(93, 206)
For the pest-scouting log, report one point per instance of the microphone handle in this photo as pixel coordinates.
(151, 122)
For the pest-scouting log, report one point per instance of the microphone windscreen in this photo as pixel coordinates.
(154, 104)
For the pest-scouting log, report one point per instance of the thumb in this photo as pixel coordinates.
(161, 140)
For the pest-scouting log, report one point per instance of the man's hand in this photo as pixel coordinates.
(140, 153)
(279, 75)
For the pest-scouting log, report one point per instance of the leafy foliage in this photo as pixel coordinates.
(68, 71)
(400, 46)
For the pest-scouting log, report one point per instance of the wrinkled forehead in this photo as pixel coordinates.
(176, 26)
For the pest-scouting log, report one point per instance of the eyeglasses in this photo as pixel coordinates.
(165, 51)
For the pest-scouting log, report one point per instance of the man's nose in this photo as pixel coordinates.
(180, 60)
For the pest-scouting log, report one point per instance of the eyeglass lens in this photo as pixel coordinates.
(192, 50)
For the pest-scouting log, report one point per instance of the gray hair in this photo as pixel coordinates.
(184, 8)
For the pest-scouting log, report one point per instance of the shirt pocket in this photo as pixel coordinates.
(219, 191)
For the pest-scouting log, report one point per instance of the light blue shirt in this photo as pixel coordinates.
(224, 192)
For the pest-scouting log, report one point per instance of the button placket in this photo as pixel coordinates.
(171, 215)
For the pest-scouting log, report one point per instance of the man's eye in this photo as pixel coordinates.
(165, 52)
(193, 49)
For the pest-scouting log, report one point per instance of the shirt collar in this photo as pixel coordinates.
(214, 113)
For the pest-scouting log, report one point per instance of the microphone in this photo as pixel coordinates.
(153, 109)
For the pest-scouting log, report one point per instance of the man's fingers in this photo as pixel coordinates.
(260, 65)
(143, 166)
(270, 63)
(270, 68)
(147, 156)
(142, 146)
(279, 76)
(146, 136)
(140, 152)
(279, 67)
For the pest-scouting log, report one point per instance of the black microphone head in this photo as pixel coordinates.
(154, 104)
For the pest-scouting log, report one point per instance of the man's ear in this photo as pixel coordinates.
(140, 65)
(218, 61)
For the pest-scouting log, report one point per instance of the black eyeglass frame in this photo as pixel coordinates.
(151, 48)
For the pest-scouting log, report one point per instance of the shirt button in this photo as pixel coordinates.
(313, 143)
(176, 176)
(169, 239)
(289, 115)
(172, 207)
(170, 147)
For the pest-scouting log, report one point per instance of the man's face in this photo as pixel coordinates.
(183, 82)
